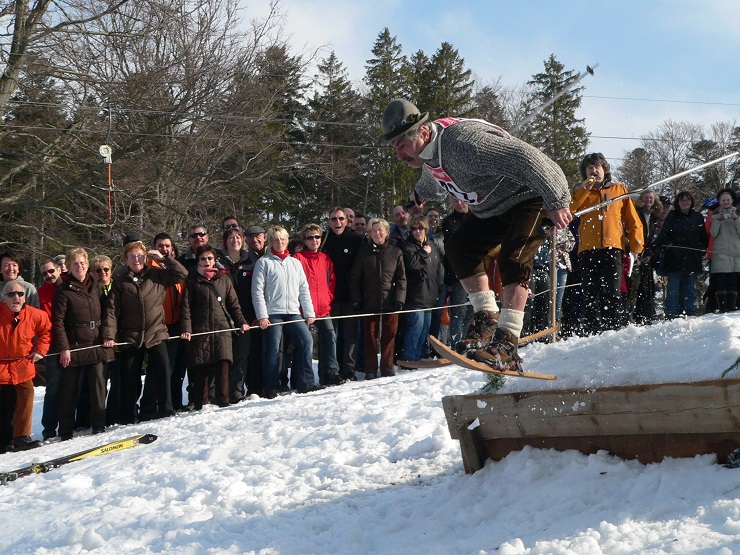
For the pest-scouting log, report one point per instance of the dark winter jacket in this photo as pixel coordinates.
(241, 277)
(135, 311)
(378, 278)
(342, 250)
(423, 273)
(204, 309)
(682, 241)
(76, 316)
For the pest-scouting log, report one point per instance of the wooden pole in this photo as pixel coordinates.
(553, 282)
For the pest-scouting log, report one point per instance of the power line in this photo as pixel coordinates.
(667, 101)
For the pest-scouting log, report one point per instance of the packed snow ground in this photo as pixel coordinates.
(370, 468)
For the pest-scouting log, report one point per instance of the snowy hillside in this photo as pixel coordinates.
(370, 468)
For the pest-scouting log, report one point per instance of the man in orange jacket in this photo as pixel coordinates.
(19, 325)
(604, 237)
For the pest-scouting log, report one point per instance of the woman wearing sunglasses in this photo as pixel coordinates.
(322, 281)
(423, 264)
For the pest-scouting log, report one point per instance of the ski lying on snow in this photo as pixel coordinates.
(440, 362)
(465, 362)
(38, 468)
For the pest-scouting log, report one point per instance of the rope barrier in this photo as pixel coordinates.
(229, 330)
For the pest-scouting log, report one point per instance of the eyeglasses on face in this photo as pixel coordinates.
(229, 226)
(101, 270)
(417, 229)
(198, 234)
(48, 272)
(338, 219)
(18, 294)
(312, 238)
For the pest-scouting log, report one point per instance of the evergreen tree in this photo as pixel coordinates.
(447, 87)
(336, 136)
(488, 106)
(419, 78)
(387, 76)
(557, 131)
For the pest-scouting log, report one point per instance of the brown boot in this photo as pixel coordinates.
(480, 332)
(501, 352)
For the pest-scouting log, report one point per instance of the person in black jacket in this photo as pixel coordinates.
(423, 264)
(682, 242)
(378, 284)
(342, 245)
(76, 319)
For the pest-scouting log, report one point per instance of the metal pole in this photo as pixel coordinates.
(542, 107)
(660, 182)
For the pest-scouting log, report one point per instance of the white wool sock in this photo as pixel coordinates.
(483, 300)
(511, 320)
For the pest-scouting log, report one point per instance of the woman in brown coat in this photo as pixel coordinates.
(135, 315)
(76, 318)
(378, 284)
(210, 304)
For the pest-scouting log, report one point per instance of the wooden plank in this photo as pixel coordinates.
(703, 407)
(647, 422)
(647, 448)
(472, 449)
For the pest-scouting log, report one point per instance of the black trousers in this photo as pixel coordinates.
(69, 392)
(157, 381)
(601, 276)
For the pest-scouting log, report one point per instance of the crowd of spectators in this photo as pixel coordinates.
(240, 318)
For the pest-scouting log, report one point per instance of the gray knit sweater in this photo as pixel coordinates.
(503, 171)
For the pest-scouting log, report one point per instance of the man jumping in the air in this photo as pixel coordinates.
(510, 186)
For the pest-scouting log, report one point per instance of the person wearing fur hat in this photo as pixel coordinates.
(511, 188)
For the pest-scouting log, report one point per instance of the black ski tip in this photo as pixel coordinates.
(146, 439)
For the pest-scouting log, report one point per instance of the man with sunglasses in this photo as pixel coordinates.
(341, 243)
(53, 277)
(25, 336)
(229, 222)
(197, 236)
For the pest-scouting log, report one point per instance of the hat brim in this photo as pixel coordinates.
(403, 129)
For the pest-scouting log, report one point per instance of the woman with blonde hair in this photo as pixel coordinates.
(76, 320)
(378, 284)
(279, 293)
(135, 316)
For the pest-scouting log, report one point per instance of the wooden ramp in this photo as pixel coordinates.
(643, 422)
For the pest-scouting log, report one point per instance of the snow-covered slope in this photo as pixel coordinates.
(370, 468)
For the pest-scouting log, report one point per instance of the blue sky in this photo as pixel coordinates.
(680, 55)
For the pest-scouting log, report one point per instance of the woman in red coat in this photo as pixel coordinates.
(319, 270)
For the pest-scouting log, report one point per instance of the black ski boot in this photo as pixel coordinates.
(501, 352)
(480, 332)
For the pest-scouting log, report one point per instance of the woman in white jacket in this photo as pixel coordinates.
(279, 293)
(725, 269)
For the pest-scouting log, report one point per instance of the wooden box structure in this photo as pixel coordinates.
(643, 422)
